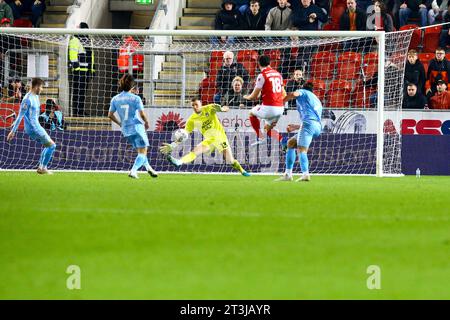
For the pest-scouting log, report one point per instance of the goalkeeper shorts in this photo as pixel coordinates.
(216, 143)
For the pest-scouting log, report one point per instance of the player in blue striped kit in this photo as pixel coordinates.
(309, 108)
(30, 109)
(133, 122)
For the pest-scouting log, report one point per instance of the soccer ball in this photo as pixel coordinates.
(181, 135)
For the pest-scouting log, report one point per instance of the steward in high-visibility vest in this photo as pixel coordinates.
(81, 64)
(126, 49)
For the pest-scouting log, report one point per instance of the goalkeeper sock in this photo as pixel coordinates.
(139, 162)
(254, 121)
(290, 160)
(46, 156)
(189, 157)
(304, 163)
(237, 166)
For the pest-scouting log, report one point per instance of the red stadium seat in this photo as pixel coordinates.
(330, 26)
(358, 100)
(22, 23)
(339, 3)
(216, 56)
(249, 59)
(349, 65)
(207, 90)
(323, 64)
(416, 38)
(275, 58)
(425, 58)
(319, 88)
(339, 94)
(214, 67)
(370, 65)
(431, 38)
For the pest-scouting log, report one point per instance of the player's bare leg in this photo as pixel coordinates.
(191, 156)
(46, 157)
(290, 160)
(234, 163)
(304, 163)
(271, 132)
(256, 125)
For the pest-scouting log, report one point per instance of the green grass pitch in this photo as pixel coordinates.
(223, 237)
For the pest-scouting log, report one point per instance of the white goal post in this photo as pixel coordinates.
(362, 133)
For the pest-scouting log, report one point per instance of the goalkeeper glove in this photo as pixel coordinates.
(167, 148)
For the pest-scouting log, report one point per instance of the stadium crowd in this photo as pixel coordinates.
(426, 76)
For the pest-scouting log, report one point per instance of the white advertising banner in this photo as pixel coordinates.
(333, 121)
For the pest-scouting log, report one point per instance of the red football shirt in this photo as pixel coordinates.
(270, 81)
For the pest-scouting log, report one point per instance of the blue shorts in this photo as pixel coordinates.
(138, 140)
(309, 131)
(39, 135)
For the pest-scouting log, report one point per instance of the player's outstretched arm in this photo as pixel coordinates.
(113, 118)
(292, 127)
(254, 95)
(291, 96)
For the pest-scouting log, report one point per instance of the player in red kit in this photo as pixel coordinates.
(270, 85)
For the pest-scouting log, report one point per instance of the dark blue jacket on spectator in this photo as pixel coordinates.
(227, 20)
(300, 17)
(251, 22)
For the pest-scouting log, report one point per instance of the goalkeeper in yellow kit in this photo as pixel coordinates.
(205, 120)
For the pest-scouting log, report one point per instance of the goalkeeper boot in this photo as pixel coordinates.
(245, 174)
(174, 161)
(305, 177)
(284, 177)
(133, 175)
(152, 172)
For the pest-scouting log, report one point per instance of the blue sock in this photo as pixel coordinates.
(290, 160)
(46, 155)
(304, 163)
(139, 162)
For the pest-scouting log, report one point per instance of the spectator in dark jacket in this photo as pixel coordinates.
(234, 98)
(227, 18)
(307, 16)
(380, 20)
(353, 19)
(296, 82)
(415, 71)
(37, 7)
(253, 19)
(438, 69)
(413, 8)
(413, 99)
(444, 39)
(227, 72)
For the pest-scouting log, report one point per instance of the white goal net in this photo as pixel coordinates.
(172, 67)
